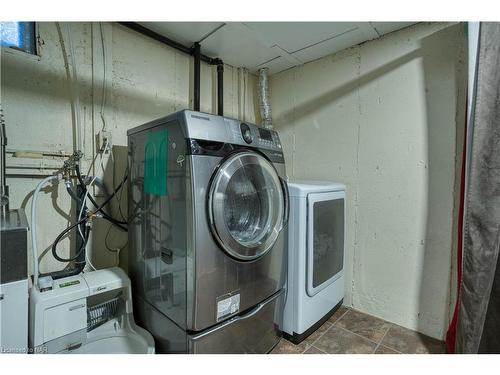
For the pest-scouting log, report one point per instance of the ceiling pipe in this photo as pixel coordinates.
(194, 51)
(158, 37)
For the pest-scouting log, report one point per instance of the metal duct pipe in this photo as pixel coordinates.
(4, 189)
(265, 107)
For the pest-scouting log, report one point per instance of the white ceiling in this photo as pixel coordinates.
(276, 45)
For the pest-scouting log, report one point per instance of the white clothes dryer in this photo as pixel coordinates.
(315, 256)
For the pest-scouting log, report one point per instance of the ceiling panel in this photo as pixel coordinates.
(293, 36)
(277, 65)
(388, 27)
(335, 44)
(183, 32)
(276, 45)
(237, 46)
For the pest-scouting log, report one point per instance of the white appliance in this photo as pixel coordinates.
(13, 282)
(315, 256)
(86, 313)
(13, 317)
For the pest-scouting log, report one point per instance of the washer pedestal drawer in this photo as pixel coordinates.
(256, 331)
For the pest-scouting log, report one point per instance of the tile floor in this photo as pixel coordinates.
(351, 332)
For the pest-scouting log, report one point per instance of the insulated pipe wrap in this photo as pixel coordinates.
(265, 107)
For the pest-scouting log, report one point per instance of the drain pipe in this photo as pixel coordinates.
(265, 107)
(197, 76)
(4, 189)
(194, 51)
(220, 88)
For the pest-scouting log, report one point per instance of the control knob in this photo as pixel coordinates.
(246, 133)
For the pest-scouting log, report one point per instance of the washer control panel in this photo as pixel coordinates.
(252, 135)
(268, 138)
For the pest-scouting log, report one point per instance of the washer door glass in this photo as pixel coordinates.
(246, 206)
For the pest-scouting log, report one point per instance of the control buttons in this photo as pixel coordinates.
(246, 133)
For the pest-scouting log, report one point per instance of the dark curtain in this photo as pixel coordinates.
(478, 329)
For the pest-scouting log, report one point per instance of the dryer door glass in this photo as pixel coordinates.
(246, 206)
(325, 239)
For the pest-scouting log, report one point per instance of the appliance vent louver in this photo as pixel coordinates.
(99, 314)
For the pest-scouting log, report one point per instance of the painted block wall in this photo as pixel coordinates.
(143, 80)
(386, 119)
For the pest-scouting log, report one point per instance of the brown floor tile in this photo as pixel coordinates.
(305, 344)
(313, 350)
(286, 347)
(365, 325)
(317, 334)
(337, 314)
(410, 342)
(339, 341)
(385, 350)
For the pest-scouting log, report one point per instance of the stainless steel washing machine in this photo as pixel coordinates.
(208, 208)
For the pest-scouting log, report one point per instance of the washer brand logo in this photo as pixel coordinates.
(200, 117)
(98, 289)
(180, 160)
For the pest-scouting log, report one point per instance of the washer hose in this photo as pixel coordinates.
(82, 246)
(81, 221)
(118, 223)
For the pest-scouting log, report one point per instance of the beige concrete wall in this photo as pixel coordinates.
(386, 119)
(144, 80)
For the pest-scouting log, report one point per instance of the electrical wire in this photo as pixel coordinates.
(115, 250)
(87, 259)
(121, 191)
(92, 163)
(73, 81)
(84, 205)
(103, 96)
(87, 193)
(103, 99)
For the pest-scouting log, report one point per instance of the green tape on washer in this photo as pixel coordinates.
(155, 162)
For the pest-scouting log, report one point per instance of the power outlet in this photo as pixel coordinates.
(104, 142)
